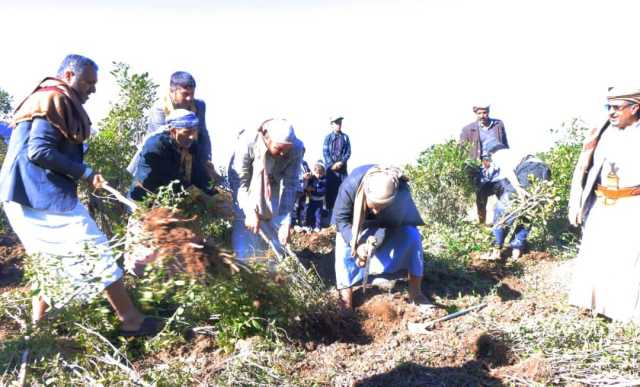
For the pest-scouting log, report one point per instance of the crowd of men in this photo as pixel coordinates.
(275, 191)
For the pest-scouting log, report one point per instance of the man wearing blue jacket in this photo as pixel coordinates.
(171, 155)
(180, 96)
(336, 151)
(38, 189)
(375, 201)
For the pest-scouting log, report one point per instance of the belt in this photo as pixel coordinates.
(617, 193)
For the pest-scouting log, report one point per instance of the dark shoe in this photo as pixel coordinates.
(150, 327)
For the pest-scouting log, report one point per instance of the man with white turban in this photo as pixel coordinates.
(263, 174)
(605, 200)
(376, 201)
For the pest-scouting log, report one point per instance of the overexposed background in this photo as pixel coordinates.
(404, 74)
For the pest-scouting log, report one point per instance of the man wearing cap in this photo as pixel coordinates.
(483, 134)
(336, 152)
(263, 174)
(605, 200)
(169, 155)
(38, 189)
(375, 201)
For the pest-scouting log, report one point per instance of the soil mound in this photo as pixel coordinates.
(173, 240)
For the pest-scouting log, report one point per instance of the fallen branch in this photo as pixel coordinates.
(24, 360)
(108, 359)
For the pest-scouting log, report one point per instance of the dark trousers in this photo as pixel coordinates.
(334, 179)
(314, 213)
(483, 191)
(299, 217)
(500, 233)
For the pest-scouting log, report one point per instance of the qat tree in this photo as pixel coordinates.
(5, 104)
(115, 143)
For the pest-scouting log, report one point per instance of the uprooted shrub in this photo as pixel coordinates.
(444, 192)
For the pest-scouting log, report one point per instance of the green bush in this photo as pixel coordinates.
(442, 186)
(111, 150)
(441, 182)
(5, 104)
(556, 232)
(4, 223)
(5, 115)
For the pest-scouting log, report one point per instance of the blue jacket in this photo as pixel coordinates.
(42, 168)
(401, 212)
(317, 188)
(159, 165)
(343, 155)
(158, 119)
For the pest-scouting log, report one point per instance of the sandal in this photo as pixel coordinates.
(150, 326)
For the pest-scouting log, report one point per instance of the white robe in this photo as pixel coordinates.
(78, 262)
(607, 274)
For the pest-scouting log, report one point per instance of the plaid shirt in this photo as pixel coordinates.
(331, 157)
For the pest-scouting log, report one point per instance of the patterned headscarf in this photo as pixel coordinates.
(182, 118)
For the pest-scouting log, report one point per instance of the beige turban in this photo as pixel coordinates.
(624, 94)
(381, 185)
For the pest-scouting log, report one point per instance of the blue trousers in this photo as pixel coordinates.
(521, 232)
(298, 217)
(314, 213)
(400, 250)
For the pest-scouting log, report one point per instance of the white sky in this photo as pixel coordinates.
(403, 73)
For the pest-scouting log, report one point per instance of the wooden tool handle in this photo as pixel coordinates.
(129, 203)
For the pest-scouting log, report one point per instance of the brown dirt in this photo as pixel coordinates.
(180, 248)
(11, 260)
(535, 368)
(316, 250)
(382, 310)
(469, 350)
